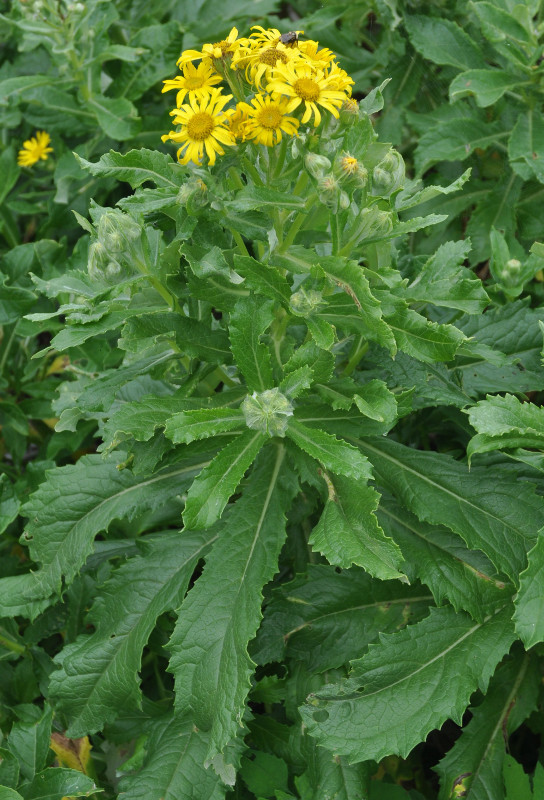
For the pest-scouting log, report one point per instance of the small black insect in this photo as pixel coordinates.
(289, 39)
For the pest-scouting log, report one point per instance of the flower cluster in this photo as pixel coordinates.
(276, 83)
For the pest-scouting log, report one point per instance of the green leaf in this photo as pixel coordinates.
(374, 400)
(116, 116)
(334, 454)
(444, 281)
(439, 558)
(199, 424)
(503, 423)
(476, 759)
(55, 783)
(327, 616)
(328, 775)
(486, 85)
(408, 684)
(9, 794)
(427, 341)
(526, 146)
(350, 277)
(482, 505)
(135, 167)
(249, 320)
(194, 338)
(71, 507)
(21, 83)
(516, 780)
(455, 140)
(348, 532)
(9, 769)
(443, 42)
(405, 199)
(14, 303)
(264, 773)
(223, 610)
(499, 24)
(212, 489)
(29, 740)
(257, 197)
(263, 279)
(529, 613)
(514, 330)
(99, 673)
(173, 767)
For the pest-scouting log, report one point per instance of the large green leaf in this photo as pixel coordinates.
(186, 426)
(223, 610)
(99, 673)
(348, 531)
(55, 783)
(211, 490)
(29, 739)
(173, 768)
(408, 684)
(481, 505)
(439, 558)
(504, 422)
(443, 281)
(486, 85)
(249, 320)
(427, 341)
(334, 454)
(529, 602)
(444, 42)
(475, 760)
(135, 167)
(71, 507)
(327, 617)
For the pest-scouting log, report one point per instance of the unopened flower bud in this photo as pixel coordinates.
(98, 259)
(305, 301)
(116, 230)
(349, 112)
(268, 412)
(388, 175)
(317, 165)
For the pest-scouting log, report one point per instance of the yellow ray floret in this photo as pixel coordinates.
(316, 57)
(193, 80)
(260, 60)
(226, 47)
(203, 128)
(267, 118)
(269, 36)
(313, 87)
(35, 148)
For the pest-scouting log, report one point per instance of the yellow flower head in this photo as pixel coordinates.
(203, 127)
(267, 118)
(237, 122)
(339, 79)
(313, 87)
(35, 148)
(268, 36)
(260, 60)
(195, 81)
(317, 58)
(349, 164)
(216, 50)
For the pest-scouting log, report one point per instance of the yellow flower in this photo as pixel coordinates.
(195, 81)
(349, 165)
(313, 87)
(35, 148)
(316, 57)
(339, 79)
(216, 50)
(236, 123)
(260, 60)
(269, 36)
(203, 126)
(267, 119)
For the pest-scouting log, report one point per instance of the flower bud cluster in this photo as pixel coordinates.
(117, 247)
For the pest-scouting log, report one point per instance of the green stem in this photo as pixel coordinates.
(280, 159)
(7, 348)
(293, 230)
(336, 233)
(358, 349)
(239, 241)
(11, 645)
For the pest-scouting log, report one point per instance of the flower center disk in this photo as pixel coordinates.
(200, 126)
(270, 117)
(307, 89)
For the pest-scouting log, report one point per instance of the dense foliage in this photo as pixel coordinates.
(272, 439)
